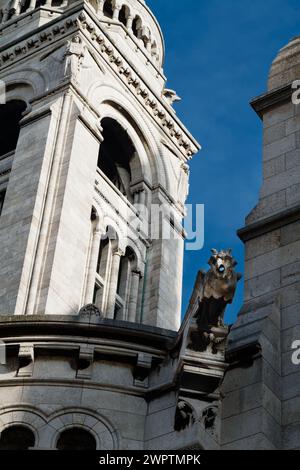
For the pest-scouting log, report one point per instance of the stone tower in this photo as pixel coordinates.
(91, 143)
(262, 386)
(90, 282)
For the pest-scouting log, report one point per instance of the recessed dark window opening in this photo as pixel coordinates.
(123, 15)
(10, 116)
(16, 438)
(108, 9)
(76, 439)
(116, 153)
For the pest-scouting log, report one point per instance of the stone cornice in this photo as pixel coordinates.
(85, 327)
(266, 101)
(269, 224)
(62, 27)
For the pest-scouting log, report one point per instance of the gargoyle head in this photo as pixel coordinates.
(222, 263)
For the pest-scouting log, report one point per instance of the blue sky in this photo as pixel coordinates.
(218, 54)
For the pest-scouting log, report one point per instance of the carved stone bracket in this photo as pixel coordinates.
(26, 360)
(85, 362)
(142, 370)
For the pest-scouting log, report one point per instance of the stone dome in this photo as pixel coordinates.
(286, 66)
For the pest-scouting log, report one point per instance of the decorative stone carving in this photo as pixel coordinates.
(183, 183)
(209, 415)
(171, 96)
(85, 362)
(142, 370)
(26, 360)
(90, 309)
(74, 57)
(218, 287)
(184, 416)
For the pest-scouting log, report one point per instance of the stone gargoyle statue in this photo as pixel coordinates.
(216, 289)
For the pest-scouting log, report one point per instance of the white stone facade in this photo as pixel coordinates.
(91, 347)
(75, 70)
(85, 79)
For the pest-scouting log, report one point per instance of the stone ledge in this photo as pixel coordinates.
(89, 326)
(270, 224)
(267, 100)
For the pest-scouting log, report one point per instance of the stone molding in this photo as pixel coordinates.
(269, 224)
(264, 102)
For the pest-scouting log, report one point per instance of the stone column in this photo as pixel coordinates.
(116, 12)
(113, 283)
(99, 8)
(133, 298)
(48, 3)
(32, 5)
(90, 285)
(129, 22)
(16, 7)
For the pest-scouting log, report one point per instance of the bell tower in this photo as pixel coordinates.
(92, 156)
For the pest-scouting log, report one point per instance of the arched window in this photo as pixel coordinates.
(123, 15)
(137, 26)
(58, 3)
(115, 156)
(17, 438)
(10, 116)
(76, 439)
(2, 197)
(108, 9)
(40, 3)
(25, 4)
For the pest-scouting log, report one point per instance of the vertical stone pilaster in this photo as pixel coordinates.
(133, 298)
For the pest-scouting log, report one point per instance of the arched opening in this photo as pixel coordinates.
(40, 3)
(17, 438)
(115, 156)
(57, 3)
(25, 4)
(76, 439)
(108, 9)
(2, 197)
(123, 15)
(10, 116)
(137, 26)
